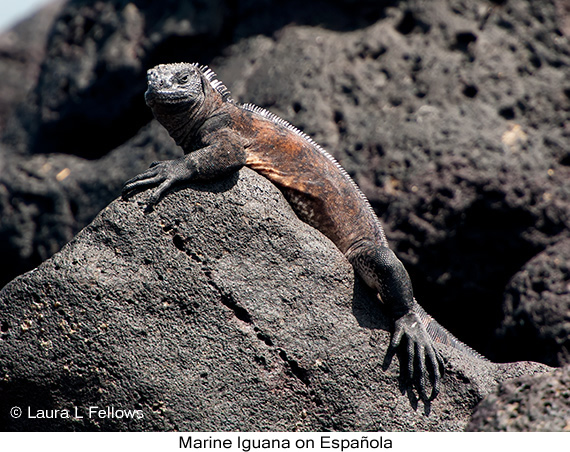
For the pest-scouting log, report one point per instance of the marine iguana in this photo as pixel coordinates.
(219, 136)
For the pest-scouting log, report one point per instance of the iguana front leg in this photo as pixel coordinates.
(210, 162)
(379, 267)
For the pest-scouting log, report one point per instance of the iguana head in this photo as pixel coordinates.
(182, 96)
(175, 84)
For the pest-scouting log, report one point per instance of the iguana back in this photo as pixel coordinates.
(220, 136)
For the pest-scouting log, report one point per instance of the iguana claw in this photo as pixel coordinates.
(420, 354)
(164, 174)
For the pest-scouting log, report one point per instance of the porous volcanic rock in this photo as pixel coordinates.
(22, 52)
(217, 310)
(451, 115)
(537, 403)
(537, 306)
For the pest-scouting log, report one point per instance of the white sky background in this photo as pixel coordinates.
(13, 11)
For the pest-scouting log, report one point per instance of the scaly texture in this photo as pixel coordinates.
(219, 136)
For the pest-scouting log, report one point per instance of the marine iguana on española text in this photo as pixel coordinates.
(219, 136)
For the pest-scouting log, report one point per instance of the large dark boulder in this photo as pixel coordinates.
(45, 199)
(218, 310)
(533, 403)
(22, 52)
(537, 304)
(452, 116)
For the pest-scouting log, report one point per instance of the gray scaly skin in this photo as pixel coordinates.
(219, 136)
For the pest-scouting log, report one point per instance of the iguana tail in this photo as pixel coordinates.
(439, 334)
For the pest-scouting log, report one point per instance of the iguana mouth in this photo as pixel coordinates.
(153, 97)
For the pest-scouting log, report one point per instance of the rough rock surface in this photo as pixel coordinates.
(537, 307)
(188, 313)
(22, 51)
(537, 403)
(452, 115)
(45, 199)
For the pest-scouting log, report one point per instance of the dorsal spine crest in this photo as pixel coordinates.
(223, 90)
(216, 83)
(278, 120)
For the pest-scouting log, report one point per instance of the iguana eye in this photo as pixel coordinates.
(183, 79)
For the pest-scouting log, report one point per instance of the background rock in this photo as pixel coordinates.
(537, 403)
(452, 117)
(45, 199)
(22, 51)
(537, 307)
(219, 310)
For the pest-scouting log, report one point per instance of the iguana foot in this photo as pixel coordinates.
(164, 174)
(420, 360)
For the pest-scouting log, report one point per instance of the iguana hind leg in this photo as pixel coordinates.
(379, 267)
